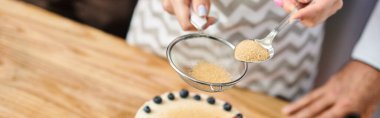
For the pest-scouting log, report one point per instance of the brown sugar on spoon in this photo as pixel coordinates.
(208, 72)
(251, 51)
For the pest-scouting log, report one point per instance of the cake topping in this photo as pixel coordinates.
(184, 93)
(211, 100)
(227, 106)
(239, 115)
(171, 96)
(147, 109)
(157, 100)
(191, 105)
(197, 97)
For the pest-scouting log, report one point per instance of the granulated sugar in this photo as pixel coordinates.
(250, 50)
(208, 72)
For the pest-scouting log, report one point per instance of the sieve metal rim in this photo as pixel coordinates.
(192, 35)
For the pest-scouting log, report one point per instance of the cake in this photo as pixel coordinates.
(183, 104)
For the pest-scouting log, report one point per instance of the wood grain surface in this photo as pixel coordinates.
(51, 67)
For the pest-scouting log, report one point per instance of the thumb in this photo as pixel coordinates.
(308, 11)
(201, 7)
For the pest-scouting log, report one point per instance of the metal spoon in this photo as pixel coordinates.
(267, 41)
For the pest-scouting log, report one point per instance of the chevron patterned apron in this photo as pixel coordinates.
(289, 74)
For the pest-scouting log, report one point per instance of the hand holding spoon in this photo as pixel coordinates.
(260, 50)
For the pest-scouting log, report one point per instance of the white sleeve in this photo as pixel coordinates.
(367, 49)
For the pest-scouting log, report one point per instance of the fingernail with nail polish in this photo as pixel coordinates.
(278, 3)
(202, 11)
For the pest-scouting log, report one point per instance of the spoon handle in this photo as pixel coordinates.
(285, 21)
(269, 38)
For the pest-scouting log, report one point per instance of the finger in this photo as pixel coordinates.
(288, 5)
(308, 15)
(316, 107)
(311, 9)
(335, 112)
(299, 104)
(279, 3)
(201, 7)
(338, 4)
(303, 1)
(182, 12)
(308, 22)
(210, 21)
(341, 109)
(314, 13)
(168, 7)
(369, 112)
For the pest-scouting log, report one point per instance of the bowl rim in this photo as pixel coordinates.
(192, 35)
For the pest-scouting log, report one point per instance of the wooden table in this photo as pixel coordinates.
(53, 67)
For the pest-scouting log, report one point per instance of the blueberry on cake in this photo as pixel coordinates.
(184, 104)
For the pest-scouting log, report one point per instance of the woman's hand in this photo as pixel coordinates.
(314, 13)
(354, 89)
(181, 9)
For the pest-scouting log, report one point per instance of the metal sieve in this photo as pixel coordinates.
(186, 51)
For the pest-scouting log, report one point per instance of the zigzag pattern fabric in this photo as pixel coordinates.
(289, 74)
